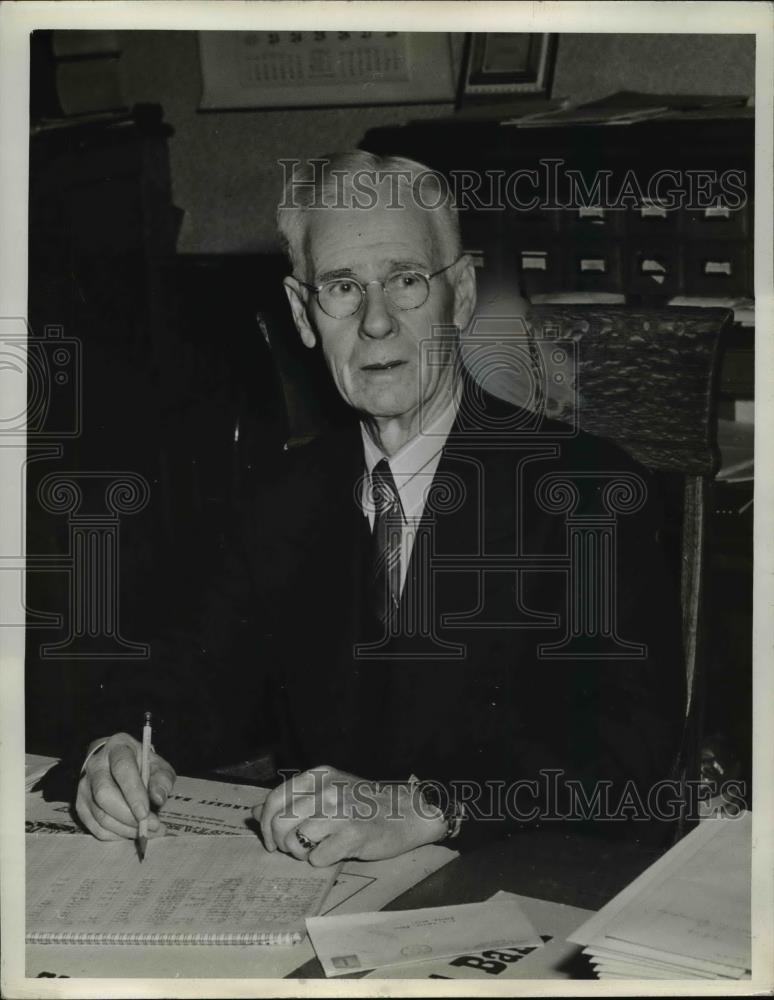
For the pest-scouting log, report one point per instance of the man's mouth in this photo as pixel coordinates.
(382, 366)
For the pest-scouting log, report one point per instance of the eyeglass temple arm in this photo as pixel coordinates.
(435, 273)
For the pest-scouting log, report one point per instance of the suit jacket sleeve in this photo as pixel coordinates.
(209, 679)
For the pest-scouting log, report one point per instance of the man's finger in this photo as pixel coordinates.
(161, 781)
(126, 774)
(271, 805)
(99, 822)
(311, 829)
(297, 847)
(93, 826)
(108, 796)
(105, 827)
(335, 848)
(285, 822)
(109, 811)
(281, 800)
(108, 822)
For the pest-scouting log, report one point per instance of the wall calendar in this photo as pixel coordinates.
(253, 69)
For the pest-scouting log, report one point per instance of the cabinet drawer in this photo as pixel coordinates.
(539, 223)
(717, 222)
(655, 268)
(540, 267)
(593, 266)
(592, 223)
(717, 268)
(652, 220)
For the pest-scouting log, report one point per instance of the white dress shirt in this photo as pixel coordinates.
(413, 468)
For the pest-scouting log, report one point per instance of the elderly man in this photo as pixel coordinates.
(401, 583)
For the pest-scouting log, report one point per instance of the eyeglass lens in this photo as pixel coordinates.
(342, 297)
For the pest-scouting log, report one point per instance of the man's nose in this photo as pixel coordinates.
(376, 320)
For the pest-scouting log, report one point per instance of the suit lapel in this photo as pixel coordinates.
(474, 510)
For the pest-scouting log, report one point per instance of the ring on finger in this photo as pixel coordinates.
(305, 842)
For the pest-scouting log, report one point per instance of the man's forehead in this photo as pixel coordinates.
(342, 236)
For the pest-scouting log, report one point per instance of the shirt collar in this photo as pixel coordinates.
(414, 465)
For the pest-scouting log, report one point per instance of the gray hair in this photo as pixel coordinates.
(320, 180)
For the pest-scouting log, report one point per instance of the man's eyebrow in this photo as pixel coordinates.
(392, 267)
(408, 265)
(339, 272)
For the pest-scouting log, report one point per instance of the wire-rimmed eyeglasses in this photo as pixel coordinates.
(341, 298)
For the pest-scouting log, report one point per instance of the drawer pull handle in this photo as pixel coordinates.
(717, 267)
(654, 269)
(534, 261)
(652, 211)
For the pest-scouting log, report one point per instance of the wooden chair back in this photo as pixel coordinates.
(645, 378)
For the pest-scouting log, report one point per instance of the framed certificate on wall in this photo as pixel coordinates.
(505, 64)
(273, 69)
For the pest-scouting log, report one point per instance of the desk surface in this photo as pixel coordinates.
(555, 863)
(563, 867)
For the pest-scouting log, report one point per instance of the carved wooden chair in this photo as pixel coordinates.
(645, 379)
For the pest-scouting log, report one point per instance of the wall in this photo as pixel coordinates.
(591, 66)
(224, 164)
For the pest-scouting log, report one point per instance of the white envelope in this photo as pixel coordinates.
(353, 943)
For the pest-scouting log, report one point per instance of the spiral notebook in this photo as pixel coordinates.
(189, 890)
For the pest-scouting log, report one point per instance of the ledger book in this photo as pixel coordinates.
(189, 890)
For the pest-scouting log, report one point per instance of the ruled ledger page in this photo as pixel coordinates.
(206, 888)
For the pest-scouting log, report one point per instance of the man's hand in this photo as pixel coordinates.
(345, 817)
(111, 797)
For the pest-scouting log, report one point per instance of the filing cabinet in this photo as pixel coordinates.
(684, 226)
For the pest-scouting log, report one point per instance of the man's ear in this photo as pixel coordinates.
(297, 298)
(464, 292)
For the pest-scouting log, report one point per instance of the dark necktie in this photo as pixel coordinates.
(386, 542)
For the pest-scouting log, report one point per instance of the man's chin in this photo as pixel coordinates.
(383, 412)
(384, 405)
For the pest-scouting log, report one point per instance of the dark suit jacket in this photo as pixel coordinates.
(466, 689)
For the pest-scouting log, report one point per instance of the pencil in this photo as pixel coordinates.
(142, 832)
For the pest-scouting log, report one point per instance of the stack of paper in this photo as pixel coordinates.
(35, 766)
(686, 917)
(626, 107)
(346, 944)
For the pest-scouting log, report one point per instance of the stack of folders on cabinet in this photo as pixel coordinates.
(685, 917)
